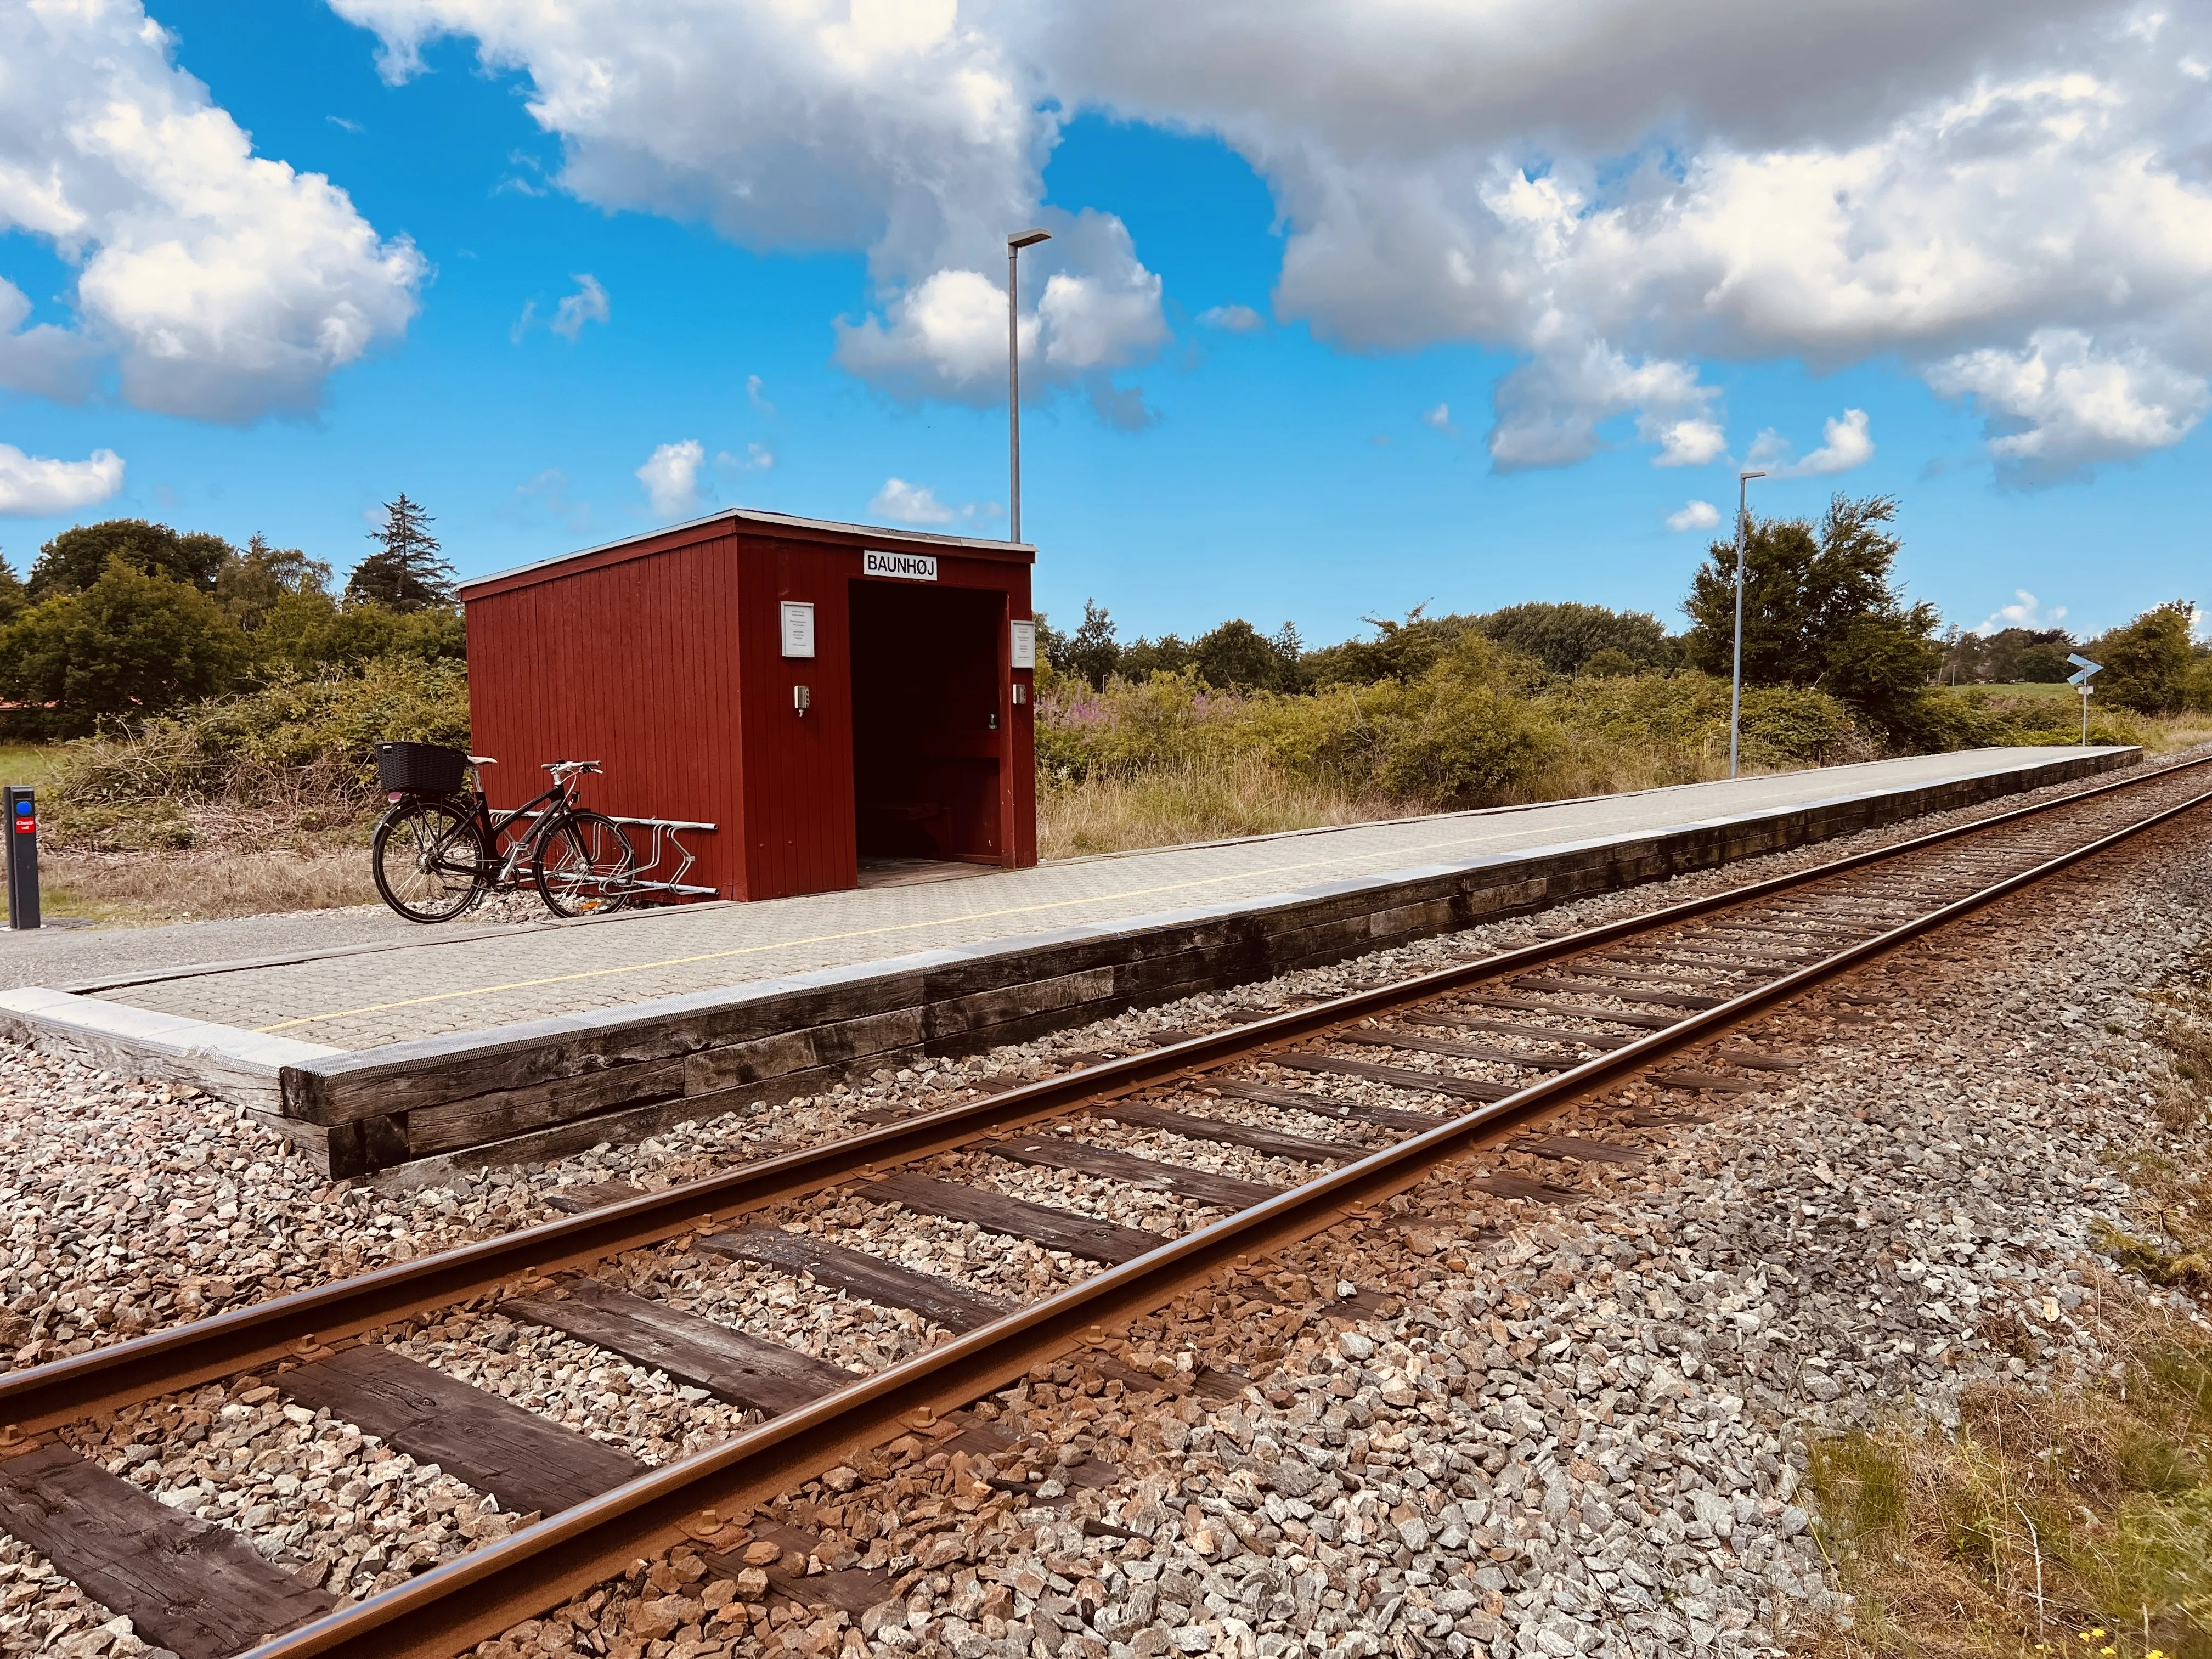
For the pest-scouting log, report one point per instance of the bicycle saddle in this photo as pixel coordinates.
(482, 760)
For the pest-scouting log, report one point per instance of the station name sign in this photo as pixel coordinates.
(908, 567)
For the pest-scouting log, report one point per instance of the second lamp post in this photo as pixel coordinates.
(1735, 688)
(1015, 244)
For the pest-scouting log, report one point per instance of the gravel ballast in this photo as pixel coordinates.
(1540, 1427)
(1563, 1432)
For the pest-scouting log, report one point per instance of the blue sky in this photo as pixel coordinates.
(1339, 459)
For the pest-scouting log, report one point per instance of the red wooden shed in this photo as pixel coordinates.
(828, 696)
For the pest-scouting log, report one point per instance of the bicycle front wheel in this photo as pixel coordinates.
(584, 865)
(429, 858)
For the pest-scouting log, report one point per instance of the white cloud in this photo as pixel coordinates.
(757, 396)
(588, 304)
(219, 284)
(1953, 184)
(1694, 515)
(44, 359)
(945, 336)
(1234, 320)
(2062, 404)
(905, 503)
(32, 487)
(1845, 444)
(2024, 611)
(757, 457)
(1439, 418)
(898, 126)
(671, 477)
(1550, 408)
(1836, 184)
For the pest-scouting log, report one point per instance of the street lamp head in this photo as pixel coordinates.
(1022, 238)
(1742, 476)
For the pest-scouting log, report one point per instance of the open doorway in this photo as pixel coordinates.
(926, 736)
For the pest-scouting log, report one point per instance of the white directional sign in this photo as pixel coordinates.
(2080, 681)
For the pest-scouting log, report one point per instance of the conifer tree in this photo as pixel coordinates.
(405, 574)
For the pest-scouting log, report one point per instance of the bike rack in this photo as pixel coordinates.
(664, 840)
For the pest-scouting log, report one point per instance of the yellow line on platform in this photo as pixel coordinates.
(869, 932)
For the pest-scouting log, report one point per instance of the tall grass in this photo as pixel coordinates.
(1170, 760)
(2073, 1520)
(1190, 799)
(2070, 1515)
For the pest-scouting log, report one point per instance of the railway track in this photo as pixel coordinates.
(1088, 1199)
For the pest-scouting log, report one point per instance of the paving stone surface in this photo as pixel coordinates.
(362, 999)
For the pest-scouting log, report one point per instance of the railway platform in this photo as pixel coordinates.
(501, 1045)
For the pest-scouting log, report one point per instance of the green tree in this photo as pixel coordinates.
(1400, 651)
(1239, 656)
(2012, 655)
(2042, 663)
(404, 573)
(1563, 637)
(1167, 654)
(12, 600)
(130, 643)
(249, 584)
(1820, 608)
(1092, 653)
(77, 558)
(2147, 663)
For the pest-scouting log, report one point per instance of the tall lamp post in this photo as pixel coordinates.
(1015, 244)
(1736, 689)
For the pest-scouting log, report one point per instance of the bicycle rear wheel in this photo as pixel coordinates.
(429, 858)
(584, 865)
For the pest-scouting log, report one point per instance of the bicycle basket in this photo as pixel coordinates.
(419, 769)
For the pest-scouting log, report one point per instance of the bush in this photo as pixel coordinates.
(1567, 638)
(303, 748)
(308, 629)
(1481, 726)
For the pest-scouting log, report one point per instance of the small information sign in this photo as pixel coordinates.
(908, 567)
(798, 629)
(1024, 645)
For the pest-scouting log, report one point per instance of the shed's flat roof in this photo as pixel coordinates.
(754, 515)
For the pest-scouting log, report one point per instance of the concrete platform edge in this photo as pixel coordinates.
(244, 1068)
(548, 1087)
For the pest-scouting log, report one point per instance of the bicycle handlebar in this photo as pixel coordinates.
(558, 767)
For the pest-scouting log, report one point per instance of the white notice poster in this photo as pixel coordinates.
(1025, 645)
(798, 629)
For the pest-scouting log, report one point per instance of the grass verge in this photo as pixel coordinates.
(2078, 1521)
(151, 888)
(2070, 1519)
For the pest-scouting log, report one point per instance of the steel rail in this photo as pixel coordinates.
(477, 1595)
(107, 1378)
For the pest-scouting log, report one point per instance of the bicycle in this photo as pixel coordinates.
(438, 848)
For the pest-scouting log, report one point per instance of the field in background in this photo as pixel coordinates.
(1170, 761)
(263, 803)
